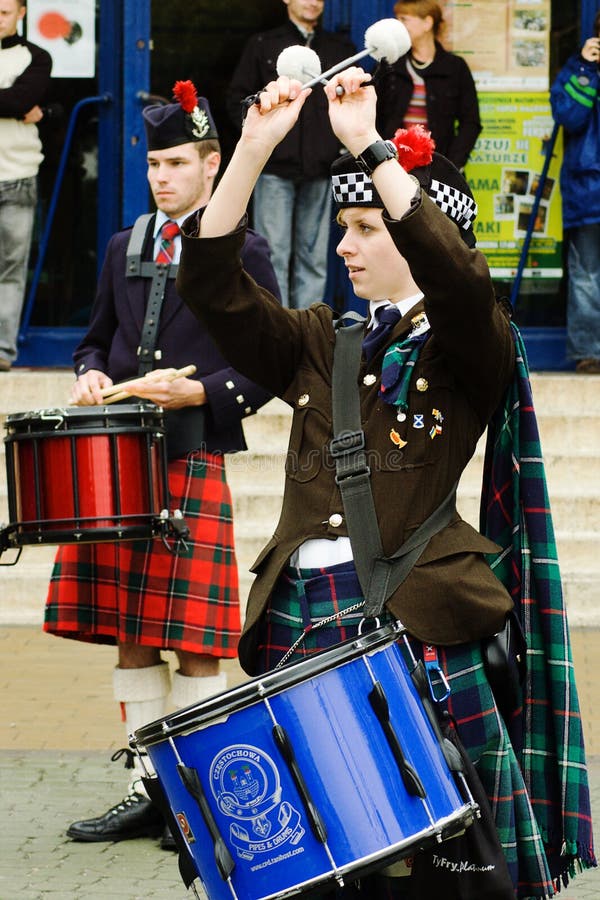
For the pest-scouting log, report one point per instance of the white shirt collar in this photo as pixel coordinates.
(403, 306)
(162, 217)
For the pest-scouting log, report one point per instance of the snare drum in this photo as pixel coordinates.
(309, 776)
(84, 474)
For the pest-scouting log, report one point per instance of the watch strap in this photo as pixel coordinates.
(376, 153)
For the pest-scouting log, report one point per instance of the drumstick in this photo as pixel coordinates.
(169, 376)
(120, 394)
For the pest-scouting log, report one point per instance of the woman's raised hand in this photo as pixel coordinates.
(276, 112)
(352, 110)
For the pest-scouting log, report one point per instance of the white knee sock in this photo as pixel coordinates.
(188, 690)
(142, 694)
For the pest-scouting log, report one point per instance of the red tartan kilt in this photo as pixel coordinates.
(139, 592)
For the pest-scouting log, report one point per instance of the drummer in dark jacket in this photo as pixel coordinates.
(436, 359)
(429, 86)
(137, 594)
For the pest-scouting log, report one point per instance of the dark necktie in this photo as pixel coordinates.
(166, 251)
(387, 317)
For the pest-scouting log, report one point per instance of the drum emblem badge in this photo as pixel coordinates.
(246, 786)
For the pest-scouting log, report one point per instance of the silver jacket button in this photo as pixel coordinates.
(336, 520)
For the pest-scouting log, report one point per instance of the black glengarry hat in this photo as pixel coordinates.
(438, 177)
(188, 119)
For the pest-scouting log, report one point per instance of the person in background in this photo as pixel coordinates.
(575, 100)
(137, 594)
(429, 86)
(292, 198)
(25, 72)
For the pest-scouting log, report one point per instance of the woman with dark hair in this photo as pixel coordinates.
(429, 86)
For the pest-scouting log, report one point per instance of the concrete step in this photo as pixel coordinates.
(268, 430)
(564, 392)
(262, 469)
(29, 389)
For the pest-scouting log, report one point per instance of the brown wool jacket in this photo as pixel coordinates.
(451, 595)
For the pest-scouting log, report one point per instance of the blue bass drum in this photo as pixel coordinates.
(311, 775)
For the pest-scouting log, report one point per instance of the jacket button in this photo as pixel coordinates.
(369, 379)
(303, 399)
(336, 520)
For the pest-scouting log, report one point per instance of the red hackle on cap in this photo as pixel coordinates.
(415, 147)
(186, 95)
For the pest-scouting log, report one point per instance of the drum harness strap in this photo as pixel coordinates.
(186, 427)
(379, 575)
(159, 273)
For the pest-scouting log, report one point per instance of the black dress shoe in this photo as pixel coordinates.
(167, 841)
(133, 817)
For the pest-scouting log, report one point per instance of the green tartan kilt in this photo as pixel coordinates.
(303, 597)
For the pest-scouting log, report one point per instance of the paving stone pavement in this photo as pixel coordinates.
(42, 791)
(56, 738)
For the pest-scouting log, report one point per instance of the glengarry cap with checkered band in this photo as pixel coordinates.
(438, 177)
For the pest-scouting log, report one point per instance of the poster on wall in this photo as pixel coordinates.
(66, 29)
(504, 172)
(505, 42)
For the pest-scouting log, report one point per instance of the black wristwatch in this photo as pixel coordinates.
(375, 154)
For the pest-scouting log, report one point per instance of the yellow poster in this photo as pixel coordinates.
(504, 172)
(505, 42)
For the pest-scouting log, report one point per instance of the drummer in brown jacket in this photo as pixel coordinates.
(401, 252)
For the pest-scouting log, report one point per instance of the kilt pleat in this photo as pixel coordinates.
(139, 592)
(303, 597)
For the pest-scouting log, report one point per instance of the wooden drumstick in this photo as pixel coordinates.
(116, 392)
(170, 375)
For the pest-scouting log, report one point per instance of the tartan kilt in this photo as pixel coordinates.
(138, 592)
(303, 597)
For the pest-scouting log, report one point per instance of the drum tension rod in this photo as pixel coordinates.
(191, 782)
(379, 703)
(287, 751)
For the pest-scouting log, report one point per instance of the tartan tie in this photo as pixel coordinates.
(166, 251)
(387, 317)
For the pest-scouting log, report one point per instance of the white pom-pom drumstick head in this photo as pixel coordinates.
(299, 62)
(386, 40)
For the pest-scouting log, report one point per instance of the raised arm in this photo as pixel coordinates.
(265, 126)
(352, 116)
